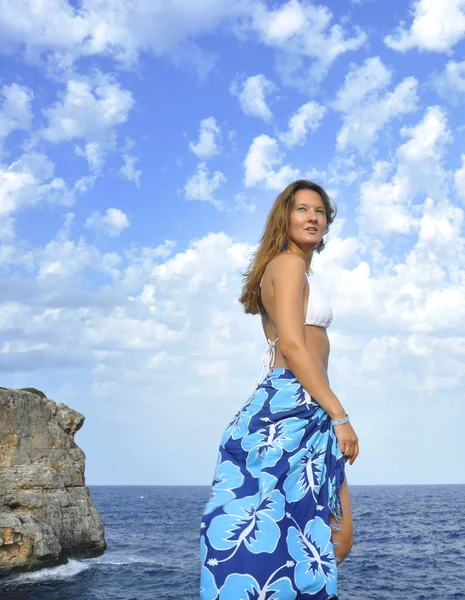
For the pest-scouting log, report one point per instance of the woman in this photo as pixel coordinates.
(279, 517)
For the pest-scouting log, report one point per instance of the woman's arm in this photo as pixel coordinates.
(288, 277)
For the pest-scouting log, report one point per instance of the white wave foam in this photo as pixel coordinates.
(128, 560)
(71, 569)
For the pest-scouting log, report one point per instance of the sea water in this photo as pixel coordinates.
(409, 545)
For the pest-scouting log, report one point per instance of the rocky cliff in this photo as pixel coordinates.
(46, 512)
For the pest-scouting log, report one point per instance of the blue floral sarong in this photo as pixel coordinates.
(265, 532)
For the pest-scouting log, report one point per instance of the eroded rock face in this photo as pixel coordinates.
(46, 512)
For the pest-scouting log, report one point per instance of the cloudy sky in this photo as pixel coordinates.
(142, 144)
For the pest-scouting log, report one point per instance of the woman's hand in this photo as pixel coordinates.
(348, 441)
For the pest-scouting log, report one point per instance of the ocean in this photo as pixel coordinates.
(409, 545)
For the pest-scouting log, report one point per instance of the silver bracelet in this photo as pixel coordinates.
(340, 421)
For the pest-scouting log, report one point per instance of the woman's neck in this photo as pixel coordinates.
(307, 256)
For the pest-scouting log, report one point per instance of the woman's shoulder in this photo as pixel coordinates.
(285, 264)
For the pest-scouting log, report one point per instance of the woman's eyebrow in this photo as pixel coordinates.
(311, 205)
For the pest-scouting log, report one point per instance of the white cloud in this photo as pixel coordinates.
(361, 82)
(141, 263)
(299, 31)
(400, 318)
(90, 110)
(242, 203)
(252, 96)
(15, 110)
(439, 236)
(7, 233)
(419, 293)
(365, 110)
(51, 24)
(129, 171)
(437, 26)
(344, 170)
(99, 27)
(385, 206)
(94, 153)
(53, 289)
(307, 118)
(203, 262)
(421, 166)
(111, 223)
(202, 187)
(399, 324)
(209, 135)
(263, 165)
(450, 84)
(303, 32)
(460, 180)
(29, 181)
(85, 183)
(127, 342)
(64, 232)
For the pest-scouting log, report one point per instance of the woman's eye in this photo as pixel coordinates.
(319, 210)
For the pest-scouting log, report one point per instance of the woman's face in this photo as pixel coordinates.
(307, 219)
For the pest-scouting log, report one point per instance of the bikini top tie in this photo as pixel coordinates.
(319, 313)
(268, 357)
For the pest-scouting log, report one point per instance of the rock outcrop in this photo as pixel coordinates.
(46, 512)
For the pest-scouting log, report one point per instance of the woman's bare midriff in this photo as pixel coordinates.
(316, 340)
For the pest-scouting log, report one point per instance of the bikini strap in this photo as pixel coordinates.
(268, 357)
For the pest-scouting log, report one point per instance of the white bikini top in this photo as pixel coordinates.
(319, 313)
(319, 310)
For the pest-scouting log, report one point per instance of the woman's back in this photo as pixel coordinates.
(316, 337)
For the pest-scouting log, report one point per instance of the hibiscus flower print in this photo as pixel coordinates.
(239, 425)
(208, 589)
(266, 446)
(227, 478)
(252, 521)
(314, 555)
(246, 587)
(307, 468)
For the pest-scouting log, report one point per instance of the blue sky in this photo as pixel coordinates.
(141, 147)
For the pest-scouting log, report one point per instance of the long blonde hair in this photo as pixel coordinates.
(274, 240)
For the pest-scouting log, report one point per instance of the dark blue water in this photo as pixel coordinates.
(409, 545)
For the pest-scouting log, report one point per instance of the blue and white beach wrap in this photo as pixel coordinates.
(265, 532)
